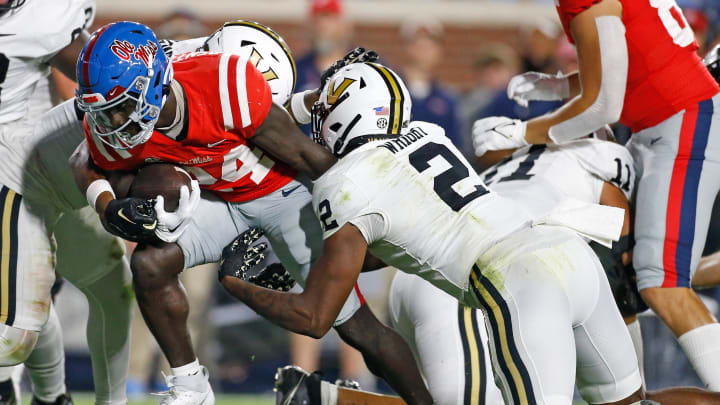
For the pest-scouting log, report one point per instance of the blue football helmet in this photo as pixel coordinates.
(124, 79)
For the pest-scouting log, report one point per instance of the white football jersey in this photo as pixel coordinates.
(29, 38)
(540, 176)
(435, 215)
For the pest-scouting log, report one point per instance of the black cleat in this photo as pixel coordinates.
(7, 393)
(295, 386)
(64, 399)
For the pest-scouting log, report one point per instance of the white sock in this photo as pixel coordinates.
(636, 336)
(46, 364)
(702, 347)
(188, 369)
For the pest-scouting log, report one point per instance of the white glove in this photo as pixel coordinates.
(172, 224)
(538, 86)
(498, 133)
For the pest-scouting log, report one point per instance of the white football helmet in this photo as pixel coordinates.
(265, 48)
(360, 103)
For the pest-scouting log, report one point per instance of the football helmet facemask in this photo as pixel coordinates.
(124, 80)
(264, 48)
(360, 103)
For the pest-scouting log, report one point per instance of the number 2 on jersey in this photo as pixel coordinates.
(443, 182)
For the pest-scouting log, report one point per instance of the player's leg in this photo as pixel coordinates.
(26, 277)
(94, 262)
(520, 284)
(294, 232)
(449, 341)
(162, 299)
(46, 364)
(675, 194)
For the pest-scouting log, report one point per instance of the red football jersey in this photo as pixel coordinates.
(665, 74)
(227, 99)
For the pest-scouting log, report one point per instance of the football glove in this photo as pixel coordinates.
(240, 256)
(498, 133)
(357, 55)
(131, 218)
(538, 86)
(172, 224)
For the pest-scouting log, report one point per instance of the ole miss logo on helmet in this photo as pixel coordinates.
(125, 50)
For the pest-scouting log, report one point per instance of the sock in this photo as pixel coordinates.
(702, 347)
(188, 369)
(636, 336)
(46, 364)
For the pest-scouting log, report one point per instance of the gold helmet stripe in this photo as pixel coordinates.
(397, 97)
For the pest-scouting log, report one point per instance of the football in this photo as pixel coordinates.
(163, 179)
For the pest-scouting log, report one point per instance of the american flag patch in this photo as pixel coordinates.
(382, 111)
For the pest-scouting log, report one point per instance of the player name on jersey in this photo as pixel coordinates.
(403, 141)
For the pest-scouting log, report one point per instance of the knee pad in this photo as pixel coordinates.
(16, 344)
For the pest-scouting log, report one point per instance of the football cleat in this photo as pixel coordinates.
(7, 393)
(64, 399)
(188, 390)
(295, 386)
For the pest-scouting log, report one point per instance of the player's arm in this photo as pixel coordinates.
(613, 196)
(132, 219)
(599, 36)
(602, 77)
(279, 135)
(329, 283)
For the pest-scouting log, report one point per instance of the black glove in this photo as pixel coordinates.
(274, 277)
(357, 55)
(240, 256)
(131, 218)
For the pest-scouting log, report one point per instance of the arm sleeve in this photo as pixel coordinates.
(372, 226)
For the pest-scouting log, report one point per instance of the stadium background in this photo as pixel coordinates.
(242, 350)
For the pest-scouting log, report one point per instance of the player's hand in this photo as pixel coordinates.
(131, 218)
(538, 86)
(497, 133)
(273, 276)
(172, 224)
(357, 55)
(240, 256)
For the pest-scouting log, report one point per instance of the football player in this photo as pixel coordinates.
(404, 192)
(141, 108)
(638, 64)
(448, 339)
(35, 35)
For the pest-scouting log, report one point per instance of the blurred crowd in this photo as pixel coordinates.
(540, 47)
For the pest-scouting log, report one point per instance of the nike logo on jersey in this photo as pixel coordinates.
(654, 140)
(212, 145)
(287, 192)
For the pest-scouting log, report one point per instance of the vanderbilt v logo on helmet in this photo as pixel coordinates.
(334, 92)
(361, 102)
(265, 49)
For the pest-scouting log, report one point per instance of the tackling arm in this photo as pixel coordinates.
(85, 172)
(280, 136)
(329, 283)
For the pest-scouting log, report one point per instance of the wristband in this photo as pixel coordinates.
(96, 188)
(298, 108)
